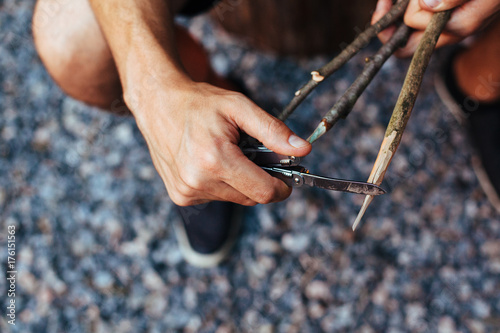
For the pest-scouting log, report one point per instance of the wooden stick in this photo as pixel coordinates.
(404, 105)
(351, 50)
(343, 107)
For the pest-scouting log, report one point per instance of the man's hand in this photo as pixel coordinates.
(468, 17)
(193, 130)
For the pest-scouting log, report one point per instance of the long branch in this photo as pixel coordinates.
(351, 50)
(344, 105)
(404, 105)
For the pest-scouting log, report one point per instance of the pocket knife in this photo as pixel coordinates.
(287, 169)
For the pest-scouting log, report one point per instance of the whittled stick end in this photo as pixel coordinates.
(366, 203)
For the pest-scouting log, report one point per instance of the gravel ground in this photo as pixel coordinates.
(95, 246)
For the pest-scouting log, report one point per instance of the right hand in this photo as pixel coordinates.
(192, 131)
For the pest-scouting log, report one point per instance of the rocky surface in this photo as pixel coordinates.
(95, 245)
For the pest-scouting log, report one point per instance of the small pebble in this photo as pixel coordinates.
(318, 290)
(295, 243)
(103, 281)
(123, 133)
(155, 305)
(446, 325)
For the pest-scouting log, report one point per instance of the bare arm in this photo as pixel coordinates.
(140, 35)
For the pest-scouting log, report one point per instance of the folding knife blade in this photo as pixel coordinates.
(296, 178)
(342, 185)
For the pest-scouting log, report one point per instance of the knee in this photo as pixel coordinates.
(76, 57)
(58, 57)
(54, 44)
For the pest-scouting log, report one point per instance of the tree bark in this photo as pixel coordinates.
(347, 53)
(345, 104)
(404, 105)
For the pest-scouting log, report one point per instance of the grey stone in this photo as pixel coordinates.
(295, 243)
(103, 281)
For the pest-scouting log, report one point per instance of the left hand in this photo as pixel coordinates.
(468, 17)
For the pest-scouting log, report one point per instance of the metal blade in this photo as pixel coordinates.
(342, 185)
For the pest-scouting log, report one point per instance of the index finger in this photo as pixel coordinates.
(383, 6)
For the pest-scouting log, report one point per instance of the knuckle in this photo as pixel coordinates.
(409, 19)
(179, 199)
(238, 97)
(467, 29)
(192, 182)
(274, 126)
(209, 161)
(250, 203)
(191, 179)
(234, 98)
(266, 196)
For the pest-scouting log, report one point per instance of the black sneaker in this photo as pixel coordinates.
(482, 121)
(208, 232)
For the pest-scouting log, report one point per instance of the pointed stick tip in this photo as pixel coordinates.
(318, 132)
(366, 203)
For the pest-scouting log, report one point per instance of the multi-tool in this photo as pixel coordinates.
(287, 169)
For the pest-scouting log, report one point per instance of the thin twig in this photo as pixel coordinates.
(404, 105)
(343, 107)
(351, 50)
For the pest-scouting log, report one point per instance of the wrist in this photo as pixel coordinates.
(143, 77)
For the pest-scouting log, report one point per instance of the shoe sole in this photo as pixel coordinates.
(202, 260)
(455, 109)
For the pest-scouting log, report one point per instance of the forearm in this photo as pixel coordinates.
(141, 37)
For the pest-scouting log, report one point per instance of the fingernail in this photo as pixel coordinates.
(432, 3)
(297, 142)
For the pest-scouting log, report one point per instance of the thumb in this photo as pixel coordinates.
(271, 131)
(440, 5)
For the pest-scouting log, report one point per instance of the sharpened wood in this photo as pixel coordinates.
(405, 103)
(343, 107)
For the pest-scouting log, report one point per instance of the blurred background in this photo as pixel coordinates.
(94, 240)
